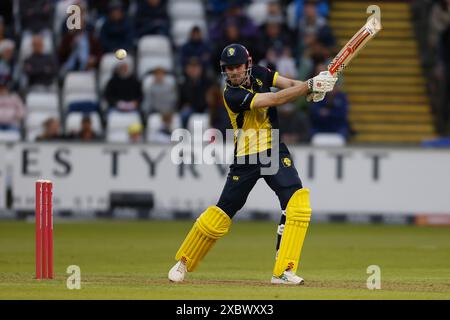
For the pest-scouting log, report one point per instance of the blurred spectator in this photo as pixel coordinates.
(314, 54)
(314, 24)
(4, 30)
(281, 61)
(274, 36)
(12, 110)
(193, 90)
(151, 18)
(135, 132)
(270, 60)
(330, 114)
(162, 94)
(36, 15)
(306, 67)
(117, 31)
(294, 124)
(286, 64)
(321, 6)
(8, 61)
(439, 42)
(275, 11)
(220, 6)
(446, 60)
(86, 133)
(197, 47)
(232, 34)
(40, 68)
(217, 7)
(79, 50)
(123, 90)
(100, 8)
(234, 15)
(6, 12)
(52, 131)
(439, 21)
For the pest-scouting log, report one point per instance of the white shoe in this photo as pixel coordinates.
(178, 271)
(288, 277)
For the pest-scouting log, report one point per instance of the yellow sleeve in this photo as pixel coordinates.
(274, 81)
(253, 100)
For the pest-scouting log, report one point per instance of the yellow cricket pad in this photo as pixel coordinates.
(212, 224)
(298, 215)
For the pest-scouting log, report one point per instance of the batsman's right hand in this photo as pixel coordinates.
(323, 82)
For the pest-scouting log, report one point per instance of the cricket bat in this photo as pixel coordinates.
(357, 42)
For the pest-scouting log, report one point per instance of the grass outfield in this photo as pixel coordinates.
(130, 260)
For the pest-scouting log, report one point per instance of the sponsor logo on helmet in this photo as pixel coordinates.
(287, 162)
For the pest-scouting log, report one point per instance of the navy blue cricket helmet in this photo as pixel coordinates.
(235, 54)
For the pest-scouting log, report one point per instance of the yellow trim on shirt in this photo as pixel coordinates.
(253, 101)
(248, 89)
(274, 81)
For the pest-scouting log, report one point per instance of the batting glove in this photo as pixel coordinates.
(323, 82)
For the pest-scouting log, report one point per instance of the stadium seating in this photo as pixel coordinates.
(73, 122)
(9, 136)
(186, 10)
(118, 123)
(79, 86)
(148, 64)
(328, 140)
(182, 28)
(59, 16)
(42, 102)
(154, 125)
(198, 121)
(154, 51)
(79, 82)
(34, 123)
(154, 45)
(40, 107)
(403, 115)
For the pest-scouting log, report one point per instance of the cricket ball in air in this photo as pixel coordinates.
(121, 54)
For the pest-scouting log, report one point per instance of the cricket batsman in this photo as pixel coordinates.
(251, 107)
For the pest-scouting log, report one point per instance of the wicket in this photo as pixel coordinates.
(44, 229)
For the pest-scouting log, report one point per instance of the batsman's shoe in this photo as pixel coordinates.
(288, 277)
(178, 271)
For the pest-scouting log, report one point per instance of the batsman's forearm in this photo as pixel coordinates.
(289, 94)
(275, 99)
